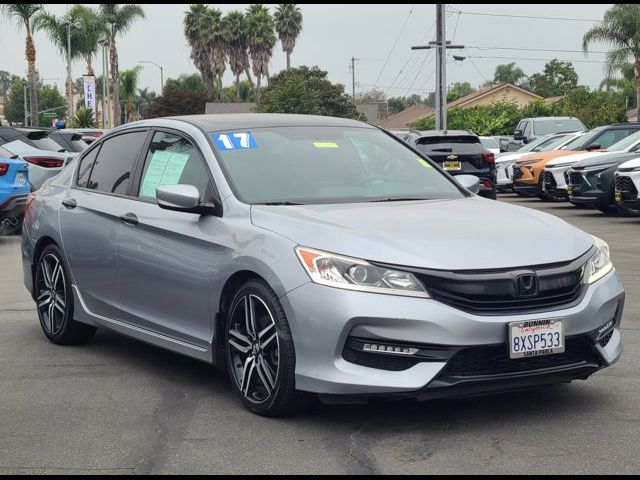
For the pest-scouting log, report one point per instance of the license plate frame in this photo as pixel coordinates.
(21, 178)
(536, 338)
(452, 165)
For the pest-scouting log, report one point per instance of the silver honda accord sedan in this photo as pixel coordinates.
(312, 255)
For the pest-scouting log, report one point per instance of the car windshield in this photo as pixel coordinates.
(625, 143)
(544, 127)
(309, 165)
(489, 143)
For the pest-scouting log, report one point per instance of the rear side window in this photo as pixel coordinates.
(173, 160)
(458, 144)
(111, 172)
(610, 137)
(86, 164)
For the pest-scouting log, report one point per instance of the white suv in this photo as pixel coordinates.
(628, 184)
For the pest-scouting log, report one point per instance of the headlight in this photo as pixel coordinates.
(600, 264)
(353, 274)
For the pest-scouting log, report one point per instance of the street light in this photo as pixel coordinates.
(161, 74)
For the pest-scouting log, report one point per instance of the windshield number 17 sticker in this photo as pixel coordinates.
(235, 141)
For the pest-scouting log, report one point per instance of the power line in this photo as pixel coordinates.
(404, 25)
(475, 66)
(520, 49)
(538, 59)
(535, 17)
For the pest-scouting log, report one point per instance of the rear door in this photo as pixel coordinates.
(458, 154)
(89, 218)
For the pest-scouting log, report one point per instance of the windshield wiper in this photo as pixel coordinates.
(278, 204)
(399, 199)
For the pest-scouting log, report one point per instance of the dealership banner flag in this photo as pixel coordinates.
(90, 92)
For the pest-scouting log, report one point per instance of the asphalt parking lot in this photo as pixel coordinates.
(117, 406)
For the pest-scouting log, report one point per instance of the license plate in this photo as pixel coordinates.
(452, 165)
(569, 190)
(618, 196)
(535, 338)
(21, 179)
(544, 186)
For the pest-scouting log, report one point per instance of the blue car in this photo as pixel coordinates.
(14, 188)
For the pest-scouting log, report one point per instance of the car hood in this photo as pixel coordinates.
(463, 234)
(578, 157)
(613, 157)
(510, 157)
(546, 156)
(635, 163)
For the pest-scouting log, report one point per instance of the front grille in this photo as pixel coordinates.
(549, 180)
(494, 292)
(517, 172)
(495, 360)
(627, 187)
(576, 179)
(606, 339)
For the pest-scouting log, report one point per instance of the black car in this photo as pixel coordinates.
(592, 183)
(459, 152)
(35, 137)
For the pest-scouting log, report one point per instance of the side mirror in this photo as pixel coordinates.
(183, 198)
(591, 148)
(537, 149)
(470, 182)
(518, 135)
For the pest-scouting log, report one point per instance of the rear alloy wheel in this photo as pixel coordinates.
(54, 301)
(260, 352)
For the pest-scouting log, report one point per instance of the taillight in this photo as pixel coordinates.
(487, 183)
(489, 157)
(4, 168)
(46, 162)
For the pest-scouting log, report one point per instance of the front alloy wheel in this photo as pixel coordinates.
(260, 353)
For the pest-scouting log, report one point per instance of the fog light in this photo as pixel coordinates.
(376, 348)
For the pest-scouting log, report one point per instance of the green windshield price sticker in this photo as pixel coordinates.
(325, 145)
(424, 163)
(165, 168)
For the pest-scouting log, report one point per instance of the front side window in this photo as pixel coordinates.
(313, 165)
(111, 172)
(173, 160)
(610, 137)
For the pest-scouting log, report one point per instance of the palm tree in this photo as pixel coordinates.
(128, 89)
(508, 73)
(288, 20)
(117, 20)
(216, 46)
(621, 29)
(625, 84)
(144, 97)
(262, 39)
(234, 26)
(23, 14)
(193, 22)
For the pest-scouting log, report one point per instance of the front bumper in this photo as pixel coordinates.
(627, 187)
(504, 175)
(554, 180)
(323, 320)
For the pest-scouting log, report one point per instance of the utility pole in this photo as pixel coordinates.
(25, 107)
(69, 78)
(441, 46)
(353, 77)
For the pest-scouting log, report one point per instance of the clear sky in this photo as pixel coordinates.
(334, 33)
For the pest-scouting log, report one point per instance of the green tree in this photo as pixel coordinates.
(261, 40)
(188, 83)
(128, 90)
(193, 26)
(308, 91)
(84, 118)
(288, 22)
(49, 96)
(177, 101)
(372, 96)
(245, 94)
(594, 108)
(395, 105)
(23, 15)
(117, 19)
(144, 98)
(509, 73)
(234, 26)
(620, 28)
(624, 84)
(6, 79)
(558, 78)
(459, 90)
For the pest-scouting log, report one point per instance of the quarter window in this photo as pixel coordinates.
(173, 160)
(86, 164)
(111, 172)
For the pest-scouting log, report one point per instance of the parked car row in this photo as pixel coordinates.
(595, 169)
(28, 158)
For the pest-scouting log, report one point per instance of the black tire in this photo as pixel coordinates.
(56, 316)
(260, 390)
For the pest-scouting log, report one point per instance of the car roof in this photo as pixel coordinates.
(446, 133)
(234, 121)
